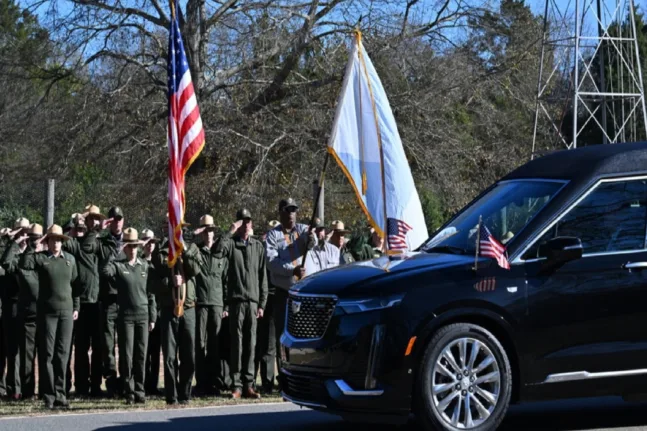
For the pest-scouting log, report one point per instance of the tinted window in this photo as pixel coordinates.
(506, 209)
(611, 218)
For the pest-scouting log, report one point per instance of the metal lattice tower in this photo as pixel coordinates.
(590, 65)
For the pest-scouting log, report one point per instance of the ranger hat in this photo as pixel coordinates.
(93, 211)
(243, 214)
(21, 223)
(272, 224)
(4, 231)
(56, 232)
(338, 226)
(116, 213)
(206, 224)
(35, 230)
(149, 236)
(288, 203)
(131, 237)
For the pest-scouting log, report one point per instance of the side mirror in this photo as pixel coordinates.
(560, 250)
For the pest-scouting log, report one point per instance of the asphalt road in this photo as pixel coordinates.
(604, 414)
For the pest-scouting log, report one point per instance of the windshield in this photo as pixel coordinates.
(506, 209)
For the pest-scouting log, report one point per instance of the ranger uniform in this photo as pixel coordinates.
(178, 333)
(154, 353)
(210, 301)
(27, 300)
(136, 314)
(58, 306)
(10, 316)
(4, 242)
(247, 296)
(87, 329)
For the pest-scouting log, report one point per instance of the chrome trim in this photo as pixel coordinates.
(347, 390)
(635, 265)
(517, 260)
(585, 375)
(302, 403)
(307, 295)
(359, 303)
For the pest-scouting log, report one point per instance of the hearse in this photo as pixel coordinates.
(454, 338)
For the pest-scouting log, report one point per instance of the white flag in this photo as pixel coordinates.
(366, 145)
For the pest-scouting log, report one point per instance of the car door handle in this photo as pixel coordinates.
(635, 265)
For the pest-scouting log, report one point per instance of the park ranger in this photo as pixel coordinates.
(210, 302)
(338, 239)
(246, 299)
(27, 300)
(58, 307)
(87, 329)
(323, 255)
(178, 332)
(285, 246)
(109, 245)
(265, 358)
(137, 314)
(154, 353)
(10, 316)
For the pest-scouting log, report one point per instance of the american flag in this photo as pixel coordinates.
(185, 133)
(487, 284)
(397, 234)
(490, 247)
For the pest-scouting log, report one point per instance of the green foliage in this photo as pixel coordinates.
(434, 209)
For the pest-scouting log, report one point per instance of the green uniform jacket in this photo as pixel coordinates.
(27, 279)
(105, 247)
(84, 251)
(58, 288)
(160, 262)
(247, 273)
(211, 274)
(9, 262)
(135, 301)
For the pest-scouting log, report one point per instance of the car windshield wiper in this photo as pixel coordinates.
(446, 249)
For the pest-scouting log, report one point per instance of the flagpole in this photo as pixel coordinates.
(316, 205)
(478, 243)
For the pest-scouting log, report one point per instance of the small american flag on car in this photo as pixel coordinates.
(490, 247)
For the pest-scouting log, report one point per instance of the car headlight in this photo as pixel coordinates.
(369, 304)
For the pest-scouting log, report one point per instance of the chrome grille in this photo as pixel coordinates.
(308, 316)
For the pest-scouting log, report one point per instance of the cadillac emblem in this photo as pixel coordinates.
(296, 307)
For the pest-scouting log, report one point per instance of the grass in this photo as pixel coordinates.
(89, 405)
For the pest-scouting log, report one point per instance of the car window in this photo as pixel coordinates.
(505, 210)
(613, 217)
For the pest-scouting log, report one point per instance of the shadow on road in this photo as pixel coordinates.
(554, 416)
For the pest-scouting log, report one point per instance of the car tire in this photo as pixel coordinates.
(484, 387)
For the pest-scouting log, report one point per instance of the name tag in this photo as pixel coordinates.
(126, 272)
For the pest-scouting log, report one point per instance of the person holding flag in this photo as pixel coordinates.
(186, 138)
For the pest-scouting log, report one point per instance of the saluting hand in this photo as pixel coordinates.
(235, 226)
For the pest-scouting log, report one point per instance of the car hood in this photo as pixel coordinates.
(366, 273)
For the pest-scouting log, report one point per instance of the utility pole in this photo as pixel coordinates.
(49, 203)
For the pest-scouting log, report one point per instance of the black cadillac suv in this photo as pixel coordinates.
(454, 338)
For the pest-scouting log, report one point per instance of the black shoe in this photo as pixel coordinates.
(184, 402)
(140, 400)
(62, 404)
(171, 402)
